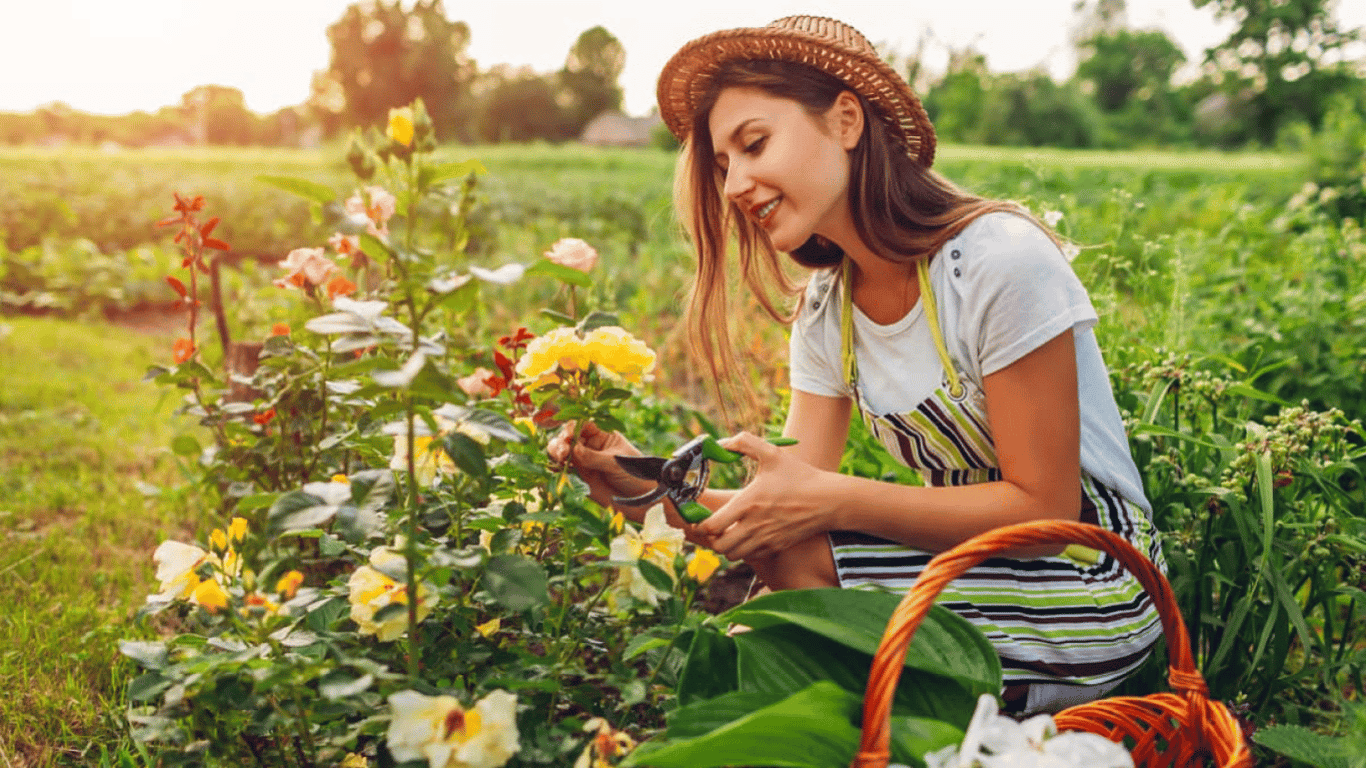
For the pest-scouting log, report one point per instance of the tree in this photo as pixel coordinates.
(218, 114)
(1126, 63)
(590, 76)
(384, 56)
(1286, 58)
(518, 104)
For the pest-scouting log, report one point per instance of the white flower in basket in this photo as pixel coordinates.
(996, 741)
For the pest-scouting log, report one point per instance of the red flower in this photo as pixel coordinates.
(517, 340)
(264, 418)
(183, 349)
(279, 329)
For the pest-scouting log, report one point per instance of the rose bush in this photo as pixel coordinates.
(405, 576)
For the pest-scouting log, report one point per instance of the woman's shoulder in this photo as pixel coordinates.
(821, 291)
(1003, 230)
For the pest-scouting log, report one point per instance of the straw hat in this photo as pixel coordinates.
(826, 44)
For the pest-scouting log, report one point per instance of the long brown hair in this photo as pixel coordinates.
(902, 210)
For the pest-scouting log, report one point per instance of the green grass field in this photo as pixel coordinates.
(80, 434)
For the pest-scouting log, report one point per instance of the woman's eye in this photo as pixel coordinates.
(756, 145)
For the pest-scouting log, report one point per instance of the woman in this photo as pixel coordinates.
(953, 324)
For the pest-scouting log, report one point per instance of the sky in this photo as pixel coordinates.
(121, 56)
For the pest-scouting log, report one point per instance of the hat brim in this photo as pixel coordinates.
(686, 78)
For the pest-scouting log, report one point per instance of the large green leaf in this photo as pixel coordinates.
(787, 658)
(810, 729)
(945, 643)
(710, 669)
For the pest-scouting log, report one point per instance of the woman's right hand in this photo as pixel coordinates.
(593, 457)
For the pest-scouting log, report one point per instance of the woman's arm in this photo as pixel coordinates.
(1033, 412)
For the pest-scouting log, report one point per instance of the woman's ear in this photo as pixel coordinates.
(845, 119)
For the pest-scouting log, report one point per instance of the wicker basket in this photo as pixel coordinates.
(1166, 729)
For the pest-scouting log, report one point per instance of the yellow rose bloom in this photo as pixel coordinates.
(210, 596)
(618, 352)
(237, 530)
(447, 735)
(401, 125)
(702, 565)
(370, 590)
(558, 349)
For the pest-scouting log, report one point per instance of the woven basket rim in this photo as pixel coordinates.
(818, 41)
(1212, 727)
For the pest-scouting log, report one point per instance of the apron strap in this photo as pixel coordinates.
(847, 361)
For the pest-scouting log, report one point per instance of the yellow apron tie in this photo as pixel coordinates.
(931, 314)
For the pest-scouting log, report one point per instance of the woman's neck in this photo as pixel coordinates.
(883, 290)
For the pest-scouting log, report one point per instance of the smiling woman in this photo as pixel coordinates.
(952, 323)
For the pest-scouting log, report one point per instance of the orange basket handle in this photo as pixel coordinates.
(874, 751)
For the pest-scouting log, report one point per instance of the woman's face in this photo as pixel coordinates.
(787, 170)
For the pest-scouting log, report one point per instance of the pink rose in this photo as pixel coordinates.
(476, 384)
(573, 253)
(373, 208)
(308, 268)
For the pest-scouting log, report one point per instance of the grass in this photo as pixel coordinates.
(78, 432)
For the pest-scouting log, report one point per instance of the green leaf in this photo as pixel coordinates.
(914, 737)
(296, 511)
(185, 445)
(373, 246)
(810, 729)
(945, 644)
(150, 654)
(147, 686)
(640, 644)
(467, 454)
(309, 190)
(517, 583)
(558, 317)
(567, 275)
(339, 684)
(655, 576)
(1247, 390)
(598, 319)
(1302, 744)
(321, 616)
(710, 669)
(436, 173)
(495, 424)
(787, 658)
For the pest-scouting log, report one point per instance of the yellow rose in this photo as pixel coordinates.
(621, 354)
(210, 596)
(445, 734)
(546, 354)
(702, 565)
(401, 125)
(371, 590)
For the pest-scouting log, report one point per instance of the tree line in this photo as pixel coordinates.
(1282, 71)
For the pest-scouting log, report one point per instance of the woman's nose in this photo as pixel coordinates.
(738, 182)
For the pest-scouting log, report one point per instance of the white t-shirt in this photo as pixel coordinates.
(1003, 289)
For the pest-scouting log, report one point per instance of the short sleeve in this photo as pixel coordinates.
(813, 349)
(1017, 289)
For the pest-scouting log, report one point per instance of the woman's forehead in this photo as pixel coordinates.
(737, 106)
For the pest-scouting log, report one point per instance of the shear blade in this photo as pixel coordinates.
(641, 500)
(643, 467)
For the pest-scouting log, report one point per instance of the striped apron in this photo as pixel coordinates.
(1071, 626)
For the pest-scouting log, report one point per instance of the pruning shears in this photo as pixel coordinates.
(682, 476)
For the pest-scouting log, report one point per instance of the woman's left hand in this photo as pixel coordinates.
(777, 509)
